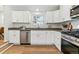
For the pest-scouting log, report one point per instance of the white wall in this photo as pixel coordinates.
(7, 21)
(1, 16)
(55, 25)
(35, 26)
(1, 19)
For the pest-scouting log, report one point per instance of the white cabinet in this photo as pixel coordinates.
(41, 37)
(56, 16)
(57, 40)
(50, 37)
(65, 12)
(14, 36)
(53, 17)
(38, 37)
(49, 17)
(20, 16)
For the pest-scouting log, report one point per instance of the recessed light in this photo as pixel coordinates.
(37, 9)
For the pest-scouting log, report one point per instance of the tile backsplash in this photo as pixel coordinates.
(74, 22)
(36, 25)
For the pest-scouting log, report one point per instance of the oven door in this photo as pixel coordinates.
(69, 48)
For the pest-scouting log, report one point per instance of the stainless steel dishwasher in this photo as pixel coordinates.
(24, 37)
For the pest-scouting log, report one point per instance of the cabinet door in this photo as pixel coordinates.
(42, 37)
(17, 16)
(57, 40)
(17, 37)
(20, 16)
(56, 16)
(50, 37)
(11, 36)
(26, 17)
(49, 17)
(38, 37)
(34, 37)
(14, 36)
(65, 12)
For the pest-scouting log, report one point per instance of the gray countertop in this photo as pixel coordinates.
(56, 29)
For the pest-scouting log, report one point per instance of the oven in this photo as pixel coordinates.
(69, 48)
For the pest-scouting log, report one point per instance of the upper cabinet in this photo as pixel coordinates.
(21, 16)
(49, 17)
(65, 12)
(53, 17)
(56, 16)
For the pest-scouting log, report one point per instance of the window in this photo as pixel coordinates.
(39, 19)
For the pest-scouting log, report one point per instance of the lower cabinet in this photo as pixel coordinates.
(57, 40)
(41, 37)
(38, 37)
(14, 36)
(46, 37)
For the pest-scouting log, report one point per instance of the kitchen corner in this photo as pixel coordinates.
(42, 29)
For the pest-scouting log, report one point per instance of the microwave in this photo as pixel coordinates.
(74, 11)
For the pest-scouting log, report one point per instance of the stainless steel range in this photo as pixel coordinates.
(70, 38)
(70, 42)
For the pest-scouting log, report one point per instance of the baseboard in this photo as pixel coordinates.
(25, 44)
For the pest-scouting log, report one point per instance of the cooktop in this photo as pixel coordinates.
(74, 33)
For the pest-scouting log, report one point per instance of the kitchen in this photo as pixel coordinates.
(37, 25)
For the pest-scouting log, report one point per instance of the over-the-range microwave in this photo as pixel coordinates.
(75, 11)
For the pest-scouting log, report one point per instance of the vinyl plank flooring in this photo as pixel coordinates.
(2, 42)
(32, 49)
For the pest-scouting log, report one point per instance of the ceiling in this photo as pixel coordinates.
(34, 7)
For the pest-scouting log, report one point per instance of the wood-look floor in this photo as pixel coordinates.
(2, 42)
(32, 49)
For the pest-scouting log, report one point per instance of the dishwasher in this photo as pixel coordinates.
(24, 37)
